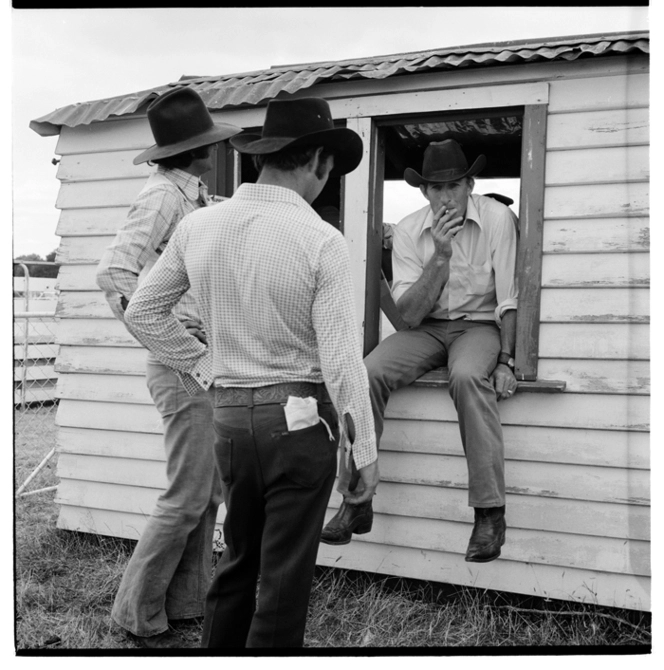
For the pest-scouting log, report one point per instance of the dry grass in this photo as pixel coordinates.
(66, 582)
(357, 610)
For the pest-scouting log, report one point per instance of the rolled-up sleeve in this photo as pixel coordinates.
(504, 248)
(407, 266)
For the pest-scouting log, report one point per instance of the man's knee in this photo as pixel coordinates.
(465, 375)
(377, 365)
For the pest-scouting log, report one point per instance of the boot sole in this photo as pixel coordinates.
(334, 542)
(361, 530)
(483, 560)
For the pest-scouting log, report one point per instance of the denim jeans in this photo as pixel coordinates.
(276, 486)
(169, 572)
(470, 350)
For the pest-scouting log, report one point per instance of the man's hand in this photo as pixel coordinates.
(443, 229)
(369, 481)
(504, 381)
(195, 328)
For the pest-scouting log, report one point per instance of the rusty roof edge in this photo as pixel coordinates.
(268, 83)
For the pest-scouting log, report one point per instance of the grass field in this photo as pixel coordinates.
(66, 582)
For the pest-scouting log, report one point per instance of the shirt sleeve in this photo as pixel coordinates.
(407, 266)
(150, 222)
(149, 317)
(340, 352)
(504, 246)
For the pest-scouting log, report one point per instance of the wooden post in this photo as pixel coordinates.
(374, 241)
(529, 258)
(356, 215)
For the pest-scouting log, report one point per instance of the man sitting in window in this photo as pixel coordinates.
(454, 285)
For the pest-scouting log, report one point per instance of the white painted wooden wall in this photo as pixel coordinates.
(577, 463)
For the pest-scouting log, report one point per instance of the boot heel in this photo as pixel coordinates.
(364, 528)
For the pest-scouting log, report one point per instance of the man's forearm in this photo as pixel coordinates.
(419, 299)
(508, 332)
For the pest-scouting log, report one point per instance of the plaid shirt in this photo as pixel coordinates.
(167, 196)
(272, 282)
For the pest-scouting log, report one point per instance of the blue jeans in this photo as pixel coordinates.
(169, 572)
(276, 486)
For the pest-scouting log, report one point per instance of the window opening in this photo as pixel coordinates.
(327, 204)
(495, 133)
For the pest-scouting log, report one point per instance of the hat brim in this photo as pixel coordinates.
(344, 142)
(414, 178)
(218, 133)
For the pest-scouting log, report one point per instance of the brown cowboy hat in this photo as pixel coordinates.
(180, 122)
(300, 123)
(443, 161)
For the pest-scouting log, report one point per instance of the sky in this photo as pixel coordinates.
(61, 56)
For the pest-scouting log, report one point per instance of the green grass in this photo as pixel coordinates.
(65, 585)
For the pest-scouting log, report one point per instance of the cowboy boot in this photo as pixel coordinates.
(488, 534)
(348, 520)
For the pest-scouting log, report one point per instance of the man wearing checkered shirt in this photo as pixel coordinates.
(273, 286)
(169, 572)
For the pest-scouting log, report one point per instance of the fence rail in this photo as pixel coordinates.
(35, 403)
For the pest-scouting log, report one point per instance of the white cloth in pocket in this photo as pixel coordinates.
(302, 413)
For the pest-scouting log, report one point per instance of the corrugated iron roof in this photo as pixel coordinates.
(253, 88)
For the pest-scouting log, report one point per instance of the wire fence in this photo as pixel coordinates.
(35, 378)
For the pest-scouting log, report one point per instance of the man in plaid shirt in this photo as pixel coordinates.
(272, 282)
(169, 572)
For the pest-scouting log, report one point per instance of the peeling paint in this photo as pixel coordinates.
(635, 501)
(644, 237)
(602, 318)
(518, 489)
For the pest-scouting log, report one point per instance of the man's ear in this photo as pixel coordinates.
(315, 159)
(471, 183)
(423, 189)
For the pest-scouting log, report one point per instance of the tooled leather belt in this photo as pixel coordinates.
(267, 395)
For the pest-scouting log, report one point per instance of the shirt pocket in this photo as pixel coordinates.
(479, 278)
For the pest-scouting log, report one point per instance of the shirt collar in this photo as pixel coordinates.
(472, 214)
(270, 193)
(186, 182)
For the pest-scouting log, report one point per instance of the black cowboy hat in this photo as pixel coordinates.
(180, 122)
(299, 123)
(443, 161)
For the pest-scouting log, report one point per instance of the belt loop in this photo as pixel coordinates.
(320, 393)
(250, 400)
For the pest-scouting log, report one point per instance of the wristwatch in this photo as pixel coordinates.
(506, 359)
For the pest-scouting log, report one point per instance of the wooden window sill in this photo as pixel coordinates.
(440, 377)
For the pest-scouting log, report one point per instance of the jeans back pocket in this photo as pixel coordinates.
(307, 455)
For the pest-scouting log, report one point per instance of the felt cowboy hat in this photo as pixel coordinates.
(180, 122)
(443, 161)
(300, 123)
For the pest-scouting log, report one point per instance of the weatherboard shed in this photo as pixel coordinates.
(567, 119)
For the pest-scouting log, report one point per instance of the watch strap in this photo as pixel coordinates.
(506, 359)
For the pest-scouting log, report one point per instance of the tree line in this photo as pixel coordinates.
(50, 271)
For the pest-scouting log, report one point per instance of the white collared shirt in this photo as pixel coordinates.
(482, 284)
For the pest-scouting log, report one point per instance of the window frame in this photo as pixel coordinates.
(529, 251)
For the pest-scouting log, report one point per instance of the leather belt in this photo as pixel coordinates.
(267, 395)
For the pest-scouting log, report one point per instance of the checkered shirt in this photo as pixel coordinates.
(165, 199)
(272, 282)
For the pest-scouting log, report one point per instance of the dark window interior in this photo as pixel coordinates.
(497, 135)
